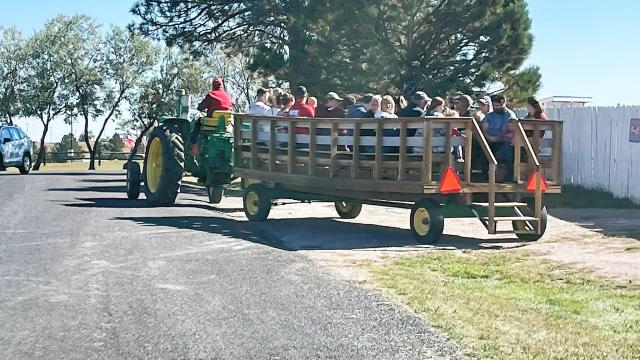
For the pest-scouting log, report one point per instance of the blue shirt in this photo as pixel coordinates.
(498, 121)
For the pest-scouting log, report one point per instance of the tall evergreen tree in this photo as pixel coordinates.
(384, 45)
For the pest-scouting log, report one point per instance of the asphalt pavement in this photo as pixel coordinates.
(86, 273)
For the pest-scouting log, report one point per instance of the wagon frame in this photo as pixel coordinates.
(378, 161)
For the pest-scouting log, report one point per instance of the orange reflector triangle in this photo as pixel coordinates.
(531, 183)
(450, 183)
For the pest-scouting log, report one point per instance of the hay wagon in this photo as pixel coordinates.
(405, 162)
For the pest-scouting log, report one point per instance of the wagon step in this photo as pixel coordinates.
(499, 204)
(511, 218)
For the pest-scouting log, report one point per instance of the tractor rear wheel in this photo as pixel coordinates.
(163, 165)
(133, 180)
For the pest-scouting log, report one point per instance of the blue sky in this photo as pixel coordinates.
(584, 48)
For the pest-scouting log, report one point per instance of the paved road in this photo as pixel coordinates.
(86, 273)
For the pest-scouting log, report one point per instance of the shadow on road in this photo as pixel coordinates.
(124, 203)
(317, 234)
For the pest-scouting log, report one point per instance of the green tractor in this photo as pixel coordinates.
(168, 156)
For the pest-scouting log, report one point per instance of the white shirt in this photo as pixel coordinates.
(384, 115)
(259, 108)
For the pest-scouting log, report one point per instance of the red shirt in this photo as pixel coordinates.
(216, 100)
(300, 109)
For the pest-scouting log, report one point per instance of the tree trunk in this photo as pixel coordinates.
(42, 150)
(92, 159)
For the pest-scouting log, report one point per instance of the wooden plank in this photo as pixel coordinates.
(517, 155)
(291, 148)
(557, 153)
(254, 143)
(381, 187)
(427, 152)
(447, 146)
(334, 149)
(377, 169)
(272, 146)
(312, 149)
(403, 151)
(356, 151)
(237, 153)
(467, 153)
(491, 209)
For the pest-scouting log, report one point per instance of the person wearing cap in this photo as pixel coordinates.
(418, 105)
(484, 107)
(331, 108)
(216, 100)
(462, 104)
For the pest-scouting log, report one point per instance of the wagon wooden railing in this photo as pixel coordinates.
(387, 154)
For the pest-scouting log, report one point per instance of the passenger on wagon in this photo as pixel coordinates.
(331, 108)
(300, 107)
(362, 108)
(462, 104)
(418, 105)
(484, 107)
(499, 136)
(260, 107)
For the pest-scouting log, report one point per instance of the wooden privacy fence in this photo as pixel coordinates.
(598, 153)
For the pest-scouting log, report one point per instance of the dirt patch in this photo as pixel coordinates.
(593, 239)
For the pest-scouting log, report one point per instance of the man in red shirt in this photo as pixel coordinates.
(217, 99)
(300, 107)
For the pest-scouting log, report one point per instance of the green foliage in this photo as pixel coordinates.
(386, 46)
(115, 143)
(66, 148)
(13, 55)
(522, 84)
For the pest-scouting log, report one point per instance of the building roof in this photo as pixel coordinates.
(570, 99)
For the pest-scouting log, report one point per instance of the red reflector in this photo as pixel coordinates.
(531, 183)
(450, 183)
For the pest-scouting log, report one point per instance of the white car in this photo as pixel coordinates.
(15, 148)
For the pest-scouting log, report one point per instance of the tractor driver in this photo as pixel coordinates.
(217, 99)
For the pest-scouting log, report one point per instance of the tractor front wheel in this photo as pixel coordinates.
(163, 165)
(215, 193)
(133, 180)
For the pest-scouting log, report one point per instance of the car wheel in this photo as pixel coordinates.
(25, 166)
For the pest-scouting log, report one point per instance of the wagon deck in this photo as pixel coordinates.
(399, 162)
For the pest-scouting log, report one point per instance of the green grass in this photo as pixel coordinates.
(577, 197)
(510, 306)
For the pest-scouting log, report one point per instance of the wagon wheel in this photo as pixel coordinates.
(348, 209)
(133, 180)
(256, 202)
(215, 194)
(163, 165)
(427, 221)
(526, 226)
